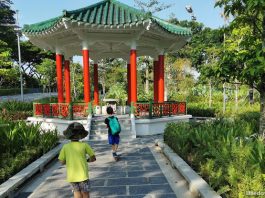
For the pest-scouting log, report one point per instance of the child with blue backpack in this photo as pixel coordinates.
(114, 129)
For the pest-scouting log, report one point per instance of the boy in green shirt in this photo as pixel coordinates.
(73, 154)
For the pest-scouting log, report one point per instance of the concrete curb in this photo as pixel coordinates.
(196, 183)
(7, 188)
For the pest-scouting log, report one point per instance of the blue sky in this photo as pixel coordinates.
(33, 11)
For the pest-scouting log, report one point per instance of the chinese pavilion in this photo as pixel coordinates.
(108, 29)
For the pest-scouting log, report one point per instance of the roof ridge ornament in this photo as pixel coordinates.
(65, 13)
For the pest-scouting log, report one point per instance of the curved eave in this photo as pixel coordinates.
(171, 28)
(42, 26)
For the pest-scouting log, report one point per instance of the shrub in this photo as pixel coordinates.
(20, 144)
(14, 91)
(16, 106)
(223, 152)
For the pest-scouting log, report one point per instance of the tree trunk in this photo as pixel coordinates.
(104, 89)
(146, 80)
(210, 97)
(262, 113)
(74, 88)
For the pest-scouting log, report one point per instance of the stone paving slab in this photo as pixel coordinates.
(136, 175)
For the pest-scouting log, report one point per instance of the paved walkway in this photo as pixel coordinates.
(139, 173)
(27, 97)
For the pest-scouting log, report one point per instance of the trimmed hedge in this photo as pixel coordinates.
(16, 91)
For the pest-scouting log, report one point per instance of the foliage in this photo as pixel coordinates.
(225, 153)
(151, 6)
(15, 110)
(7, 33)
(243, 57)
(20, 144)
(117, 91)
(145, 68)
(197, 110)
(16, 106)
(47, 100)
(14, 91)
(9, 77)
(31, 56)
(47, 73)
(5, 55)
(77, 85)
(178, 76)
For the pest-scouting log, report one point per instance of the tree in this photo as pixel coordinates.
(247, 62)
(8, 75)
(47, 73)
(77, 82)
(30, 57)
(151, 6)
(7, 33)
(145, 65)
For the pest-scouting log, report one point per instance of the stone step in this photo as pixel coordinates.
(106, 132)
(101, 122)
(126, 136)
(123, 127)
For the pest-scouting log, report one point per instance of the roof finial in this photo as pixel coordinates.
(64, 13)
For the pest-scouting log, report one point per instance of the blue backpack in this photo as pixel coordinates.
(114, 125)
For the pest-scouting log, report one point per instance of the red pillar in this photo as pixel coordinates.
(129, 83)
(86, 75)
(96, 94)
(59, 72)
(133, 76)
(156, 67)
(67, 81)
(161, 79)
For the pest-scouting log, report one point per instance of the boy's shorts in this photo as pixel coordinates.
(114, 139)
(83, 186)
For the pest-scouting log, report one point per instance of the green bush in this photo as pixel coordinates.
(198, 112)
(16, 106)
(201, 109)
(15, 110)
(12, 115)
(47, 100)
(20, 144)
(224, 152)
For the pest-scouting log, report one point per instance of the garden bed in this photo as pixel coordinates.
(21, 144)
(225, 153)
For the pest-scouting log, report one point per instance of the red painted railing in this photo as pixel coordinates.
(152, 109)
(62, 110)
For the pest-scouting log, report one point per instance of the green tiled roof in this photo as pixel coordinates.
(107, 12)
(42, 26)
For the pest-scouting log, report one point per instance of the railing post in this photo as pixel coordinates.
(150, 110)
(71, 115)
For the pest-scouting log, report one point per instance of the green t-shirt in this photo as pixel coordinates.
(74, 154)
